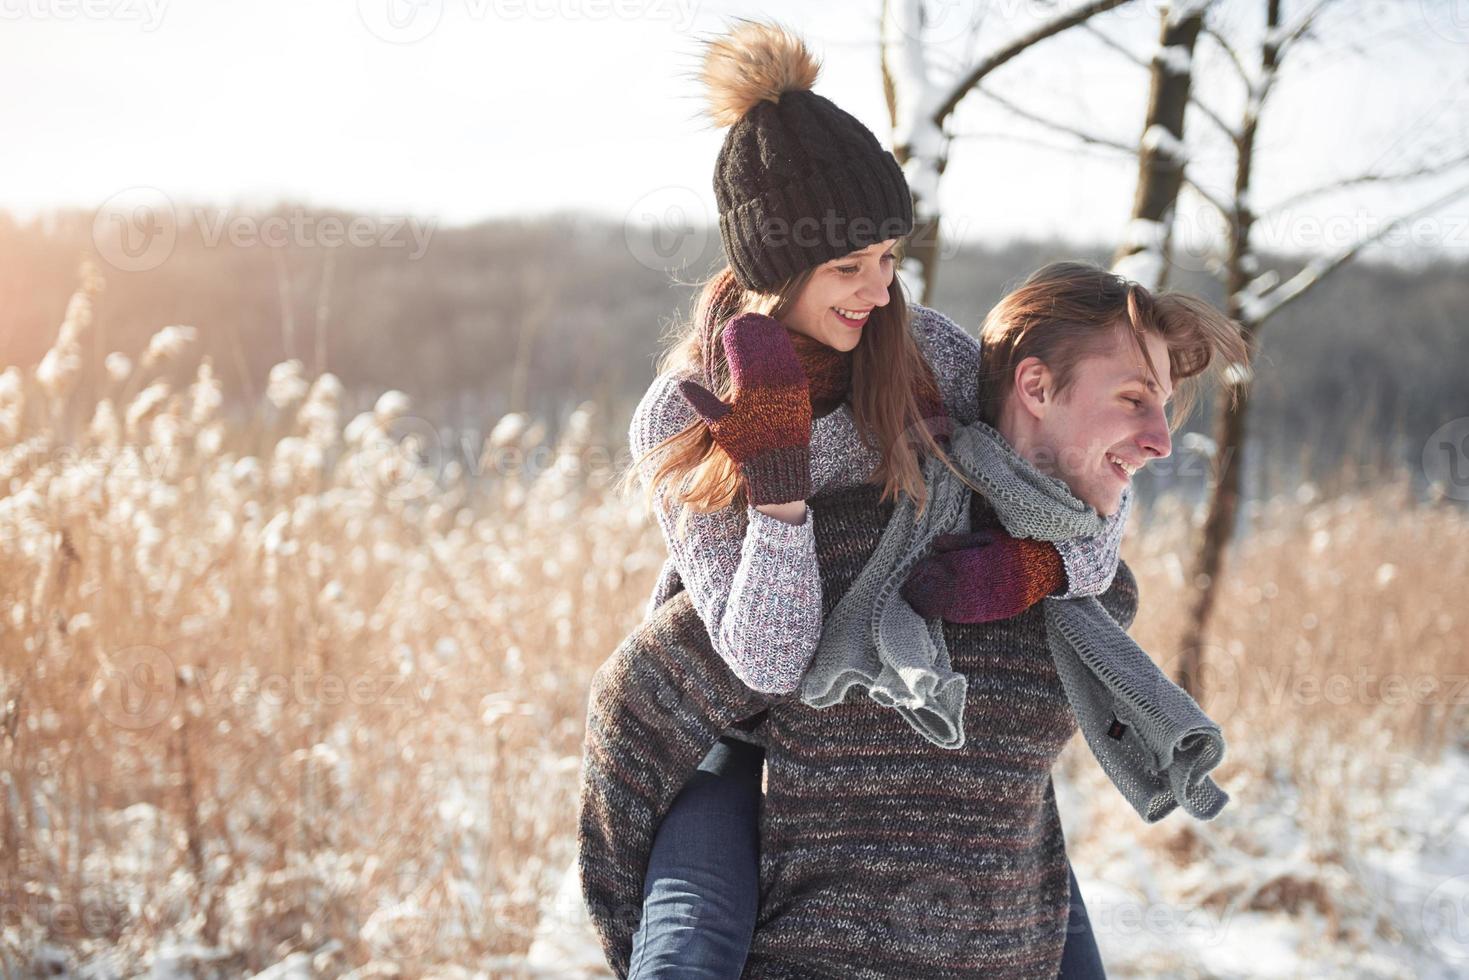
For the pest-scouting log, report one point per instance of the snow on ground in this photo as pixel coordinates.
(1256, 898)
(1407, 906)
(1404, 909)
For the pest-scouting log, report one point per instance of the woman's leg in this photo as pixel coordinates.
(1080, 958)
(702, 889)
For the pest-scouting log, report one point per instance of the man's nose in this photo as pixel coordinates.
(1155, 439)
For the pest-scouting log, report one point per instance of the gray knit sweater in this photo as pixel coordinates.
(754, 578)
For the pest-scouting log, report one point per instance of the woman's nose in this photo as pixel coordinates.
(875, 288)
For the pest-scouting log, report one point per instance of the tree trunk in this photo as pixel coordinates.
(919, 108)
(1160, 174)
(1224, 499)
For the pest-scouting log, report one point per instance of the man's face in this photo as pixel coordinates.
(1106, 426)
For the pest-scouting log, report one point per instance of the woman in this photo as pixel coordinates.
(821, 383)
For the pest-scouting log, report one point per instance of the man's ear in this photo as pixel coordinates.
(1033, 387)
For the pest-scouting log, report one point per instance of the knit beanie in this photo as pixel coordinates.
(798, 181)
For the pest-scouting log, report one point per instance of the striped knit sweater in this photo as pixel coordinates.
(882, 854)
(753, 578)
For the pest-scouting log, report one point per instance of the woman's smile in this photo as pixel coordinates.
(851, 318)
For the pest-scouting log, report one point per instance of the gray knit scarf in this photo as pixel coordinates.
(1151, 738)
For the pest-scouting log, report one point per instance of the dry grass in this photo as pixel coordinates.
(274, 685)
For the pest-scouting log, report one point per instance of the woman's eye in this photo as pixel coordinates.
(889, 257)
(1136, 401)
(846, 270)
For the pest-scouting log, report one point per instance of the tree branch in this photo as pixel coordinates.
(1369, 178)
(1064, 22)
(1234, 58)
(1262, 308)
(1303, 24)
(1138, 60)
(1094, 140)
(1082, 135)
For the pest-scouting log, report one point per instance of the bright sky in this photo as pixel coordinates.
(456, 110)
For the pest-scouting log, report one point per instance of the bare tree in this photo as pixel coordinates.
(1254, 298)
(920, 105)
(1143, 255)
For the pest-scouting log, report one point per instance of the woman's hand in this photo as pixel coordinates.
(766, 429)
(983, 577)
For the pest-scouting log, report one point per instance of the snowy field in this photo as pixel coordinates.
(283, 700)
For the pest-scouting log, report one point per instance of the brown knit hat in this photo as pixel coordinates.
(799, 181)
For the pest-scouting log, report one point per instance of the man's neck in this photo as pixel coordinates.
(1020, 437)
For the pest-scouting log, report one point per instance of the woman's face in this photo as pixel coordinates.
(837, 301)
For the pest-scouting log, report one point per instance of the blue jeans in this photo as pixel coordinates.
(702, 890)
(1080, 958)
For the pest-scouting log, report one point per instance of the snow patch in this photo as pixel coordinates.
(1158, 139)
(1175, 59)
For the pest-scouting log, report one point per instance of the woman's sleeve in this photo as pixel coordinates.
(752, 578)
(954, 356)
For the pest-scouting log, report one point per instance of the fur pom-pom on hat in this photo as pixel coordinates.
(755, 62)
(798, 180)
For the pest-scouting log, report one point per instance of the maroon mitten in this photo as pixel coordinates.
(766, 429)
(983, 576)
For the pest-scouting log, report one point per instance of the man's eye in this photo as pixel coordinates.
(1136, 401)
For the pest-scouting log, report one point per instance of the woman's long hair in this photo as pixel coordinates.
(888, 371)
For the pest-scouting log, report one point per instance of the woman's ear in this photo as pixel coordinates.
(1033, 386)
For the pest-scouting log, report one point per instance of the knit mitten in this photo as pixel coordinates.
(983, 576)
(766, 429)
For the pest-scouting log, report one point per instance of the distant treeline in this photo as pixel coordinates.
(538, 315)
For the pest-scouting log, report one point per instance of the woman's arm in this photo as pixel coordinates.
(751, 575)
